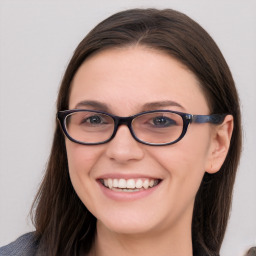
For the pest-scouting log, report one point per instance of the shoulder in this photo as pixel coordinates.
(26, 245)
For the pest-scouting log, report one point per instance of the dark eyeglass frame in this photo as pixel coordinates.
(187, 119)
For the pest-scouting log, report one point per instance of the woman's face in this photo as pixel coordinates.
(125, 82)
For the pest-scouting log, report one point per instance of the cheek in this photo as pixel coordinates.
(81, 161)
(185, 161)
(195, 147)
(80, 158)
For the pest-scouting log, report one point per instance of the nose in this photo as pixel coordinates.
(123, 147)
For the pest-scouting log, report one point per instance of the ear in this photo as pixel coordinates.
(220, 145)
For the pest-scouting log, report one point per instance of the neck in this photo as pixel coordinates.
(175, 242)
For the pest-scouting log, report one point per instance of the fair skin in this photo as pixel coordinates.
(127, 81)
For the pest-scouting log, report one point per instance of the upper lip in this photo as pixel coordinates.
(127, 176)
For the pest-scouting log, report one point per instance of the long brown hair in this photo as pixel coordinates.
(62, 222)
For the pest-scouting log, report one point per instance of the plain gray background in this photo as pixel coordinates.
(37, 39)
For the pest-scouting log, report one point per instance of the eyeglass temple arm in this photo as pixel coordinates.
(213, 119)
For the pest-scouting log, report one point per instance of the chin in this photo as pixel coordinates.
(128, 222)
(127, 228)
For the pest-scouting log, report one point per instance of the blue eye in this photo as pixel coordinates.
(93, 120)
(162, 121)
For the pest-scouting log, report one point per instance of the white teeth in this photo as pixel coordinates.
(139, 183)
(110, 183)
(130, 190)
(146, 184)
(130, 185)
(122, 183)
(115, 183)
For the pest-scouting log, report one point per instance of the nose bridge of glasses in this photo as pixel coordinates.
(123, 121)
(126, 121)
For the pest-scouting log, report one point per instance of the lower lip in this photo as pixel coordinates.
(127, 196)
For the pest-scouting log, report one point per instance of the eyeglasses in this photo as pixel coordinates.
(156, 127)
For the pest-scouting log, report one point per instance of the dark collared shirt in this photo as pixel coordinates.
(28, 245)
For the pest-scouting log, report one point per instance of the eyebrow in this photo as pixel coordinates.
(92, 103)
(147, 106)
(159, 104)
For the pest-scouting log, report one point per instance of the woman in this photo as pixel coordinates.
(145, 154)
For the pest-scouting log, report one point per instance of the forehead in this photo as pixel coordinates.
(134, 76)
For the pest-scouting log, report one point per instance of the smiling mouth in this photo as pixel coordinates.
(129, 185)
